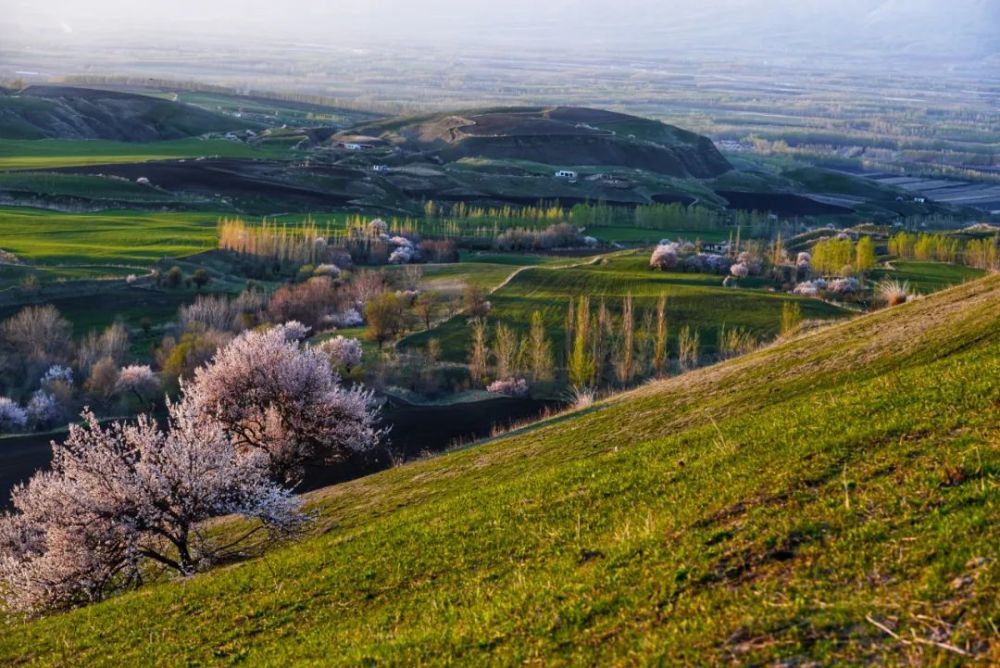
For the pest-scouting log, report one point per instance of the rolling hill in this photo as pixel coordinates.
(567, 136)
(64, 112)
(829, 499)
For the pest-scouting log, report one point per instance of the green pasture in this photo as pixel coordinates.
(830, 500)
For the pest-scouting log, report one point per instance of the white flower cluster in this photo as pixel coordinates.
(12, 416)
(512, 387)
(664, 256)
(343, 353)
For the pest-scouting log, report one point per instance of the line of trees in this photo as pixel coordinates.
(843, 257)
(602, 348)
(981, 253)
(302, 244)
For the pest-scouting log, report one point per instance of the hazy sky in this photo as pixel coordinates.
(953, 26)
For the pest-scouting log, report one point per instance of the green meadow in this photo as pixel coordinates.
(29, 154)
(695, 300)
(830, 500)
(109, 237)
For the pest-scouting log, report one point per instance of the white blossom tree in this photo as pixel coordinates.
(272, 395)
(739, 270)
(295, 330)
(343, 353)
(664, 256)
(122, 496)
(138, 380)
(12, 416)
(43, 408)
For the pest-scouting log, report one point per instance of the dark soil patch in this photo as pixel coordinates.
(236, 179)
(785, 204)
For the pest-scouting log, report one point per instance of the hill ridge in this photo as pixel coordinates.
(69, 112)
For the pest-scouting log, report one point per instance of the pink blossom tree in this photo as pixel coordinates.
(274, 396)
(123, 496)
(664, 256)
(343, 353)
(138, 380)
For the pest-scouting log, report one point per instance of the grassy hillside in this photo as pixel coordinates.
(774, 507)
(560, 136)
(696, 300)
(48, 237)
(65, 112)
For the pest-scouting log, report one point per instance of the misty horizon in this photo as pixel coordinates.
(965, 29)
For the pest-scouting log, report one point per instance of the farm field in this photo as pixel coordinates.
(50, 153)
(696, 300)
(707, 519)
(112, 237)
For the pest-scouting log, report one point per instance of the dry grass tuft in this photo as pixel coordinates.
(893, 293)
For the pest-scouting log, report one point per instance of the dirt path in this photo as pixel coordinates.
(592, 261)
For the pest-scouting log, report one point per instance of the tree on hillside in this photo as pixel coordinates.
(833, 256)
(660, 347)
(476, 303)
(581, 363)
(272, 395)
(201, 278)
(120, 497)
(386, 316)
(539, 349)
(478, 353)
(38, 334)
(505, 351)
(864, 255)
(688, 348)
(174, 277)
(625, 365)
(426, 306)
(791, 316)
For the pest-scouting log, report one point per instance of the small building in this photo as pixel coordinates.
(381, 169)
(566, 174)
(920, 200)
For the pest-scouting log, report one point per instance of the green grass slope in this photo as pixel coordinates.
(696, 300)
(759, 511)
(17, 154)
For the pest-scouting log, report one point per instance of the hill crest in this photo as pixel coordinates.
(568, 136)
(67, 112)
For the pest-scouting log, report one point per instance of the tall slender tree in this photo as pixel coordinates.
(581, 364)
(539, 350)
(505, 351)
(625, 368)
(660, 348)
(478, 353)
